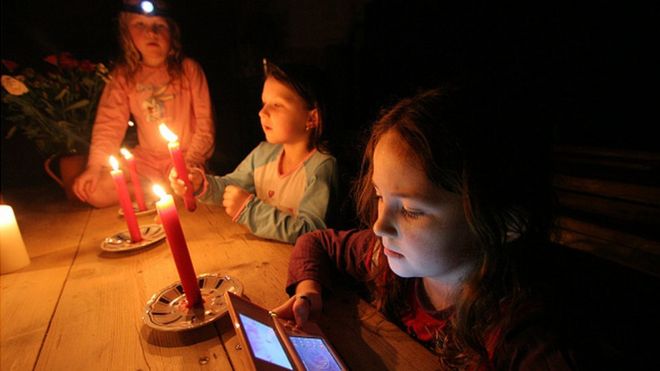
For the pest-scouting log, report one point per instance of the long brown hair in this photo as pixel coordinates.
(130, 58)
(470, 140)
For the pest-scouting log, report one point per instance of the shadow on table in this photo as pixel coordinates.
(172, 339)
(349, 335)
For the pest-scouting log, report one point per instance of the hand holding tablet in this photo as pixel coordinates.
(276, 344)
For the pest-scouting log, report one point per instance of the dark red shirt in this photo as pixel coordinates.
(529, 344)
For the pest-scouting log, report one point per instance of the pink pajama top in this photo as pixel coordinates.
(153, 98)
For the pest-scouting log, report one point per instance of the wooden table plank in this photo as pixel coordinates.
(368, 341)
(99, 319)
(362, 336)
(29, 296)
(260, 265)
(95, 299)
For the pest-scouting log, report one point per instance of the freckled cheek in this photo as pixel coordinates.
(413, 240)
(428, 241)
(456, 246)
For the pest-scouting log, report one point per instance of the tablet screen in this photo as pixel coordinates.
(314, 353)
(264, 342)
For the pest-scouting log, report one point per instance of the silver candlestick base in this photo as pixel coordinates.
(121, 241)
(168, 309)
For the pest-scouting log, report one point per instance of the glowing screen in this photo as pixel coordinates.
(314, 353)
(264, 342)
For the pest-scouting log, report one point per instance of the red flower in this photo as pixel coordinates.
(87, 66)
(52, 59)
(63, 94)
(10, 65)
(67, 61)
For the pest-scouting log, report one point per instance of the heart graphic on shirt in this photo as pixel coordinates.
(271, 194)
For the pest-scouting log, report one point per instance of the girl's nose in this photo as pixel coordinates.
(384, 225)
(154, 29)
(262, 112)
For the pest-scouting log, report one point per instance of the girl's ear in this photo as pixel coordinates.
(312, 119)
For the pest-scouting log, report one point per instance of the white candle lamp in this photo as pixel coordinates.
(13, 255)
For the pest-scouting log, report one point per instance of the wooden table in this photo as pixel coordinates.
(77, 307)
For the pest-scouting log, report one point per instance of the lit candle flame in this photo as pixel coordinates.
(114, 163)
(167, 133)
(158, 190)
(126, 153)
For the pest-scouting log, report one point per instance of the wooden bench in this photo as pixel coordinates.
(608, 262)
(610, 204)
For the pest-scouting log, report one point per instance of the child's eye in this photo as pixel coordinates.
(271, 105)
(411, 214)
(161, 28)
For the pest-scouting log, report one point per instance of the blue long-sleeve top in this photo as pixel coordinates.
(281, 206)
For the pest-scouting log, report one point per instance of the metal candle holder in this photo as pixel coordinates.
(168, 309)
(121, 241)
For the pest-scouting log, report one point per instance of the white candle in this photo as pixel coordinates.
(13, 254)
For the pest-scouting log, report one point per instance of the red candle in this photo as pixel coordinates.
(170, 220)
(125, 200)
(179, 165)
(137, 187)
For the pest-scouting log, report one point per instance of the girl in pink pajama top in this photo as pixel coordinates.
(154, 83)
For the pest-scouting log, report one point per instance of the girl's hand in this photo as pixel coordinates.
(85, 184)
(233, 199)
(305, 305)
(179, 186)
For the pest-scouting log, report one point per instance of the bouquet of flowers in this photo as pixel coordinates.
(55, 107)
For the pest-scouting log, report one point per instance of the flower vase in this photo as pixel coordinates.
(70, 166)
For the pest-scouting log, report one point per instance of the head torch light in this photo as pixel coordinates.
(146, 7)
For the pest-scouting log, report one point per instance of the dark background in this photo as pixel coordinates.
(593, 63)
(594, 67)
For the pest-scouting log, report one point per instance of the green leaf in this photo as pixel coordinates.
(78, 104)
(58, 112)
(62, 94)
(11, 132)
(88, 81)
